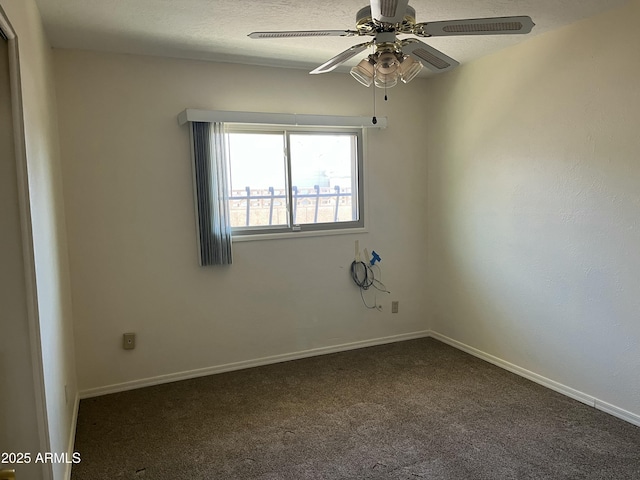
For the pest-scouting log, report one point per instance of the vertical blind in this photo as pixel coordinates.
(210, 179)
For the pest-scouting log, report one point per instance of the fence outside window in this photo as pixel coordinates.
(257, 207)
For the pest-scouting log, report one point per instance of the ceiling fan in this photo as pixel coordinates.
(396, 58)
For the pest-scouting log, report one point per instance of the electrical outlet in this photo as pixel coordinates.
(128, 341)
(394, 306)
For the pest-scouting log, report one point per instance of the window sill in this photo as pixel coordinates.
(291, 235)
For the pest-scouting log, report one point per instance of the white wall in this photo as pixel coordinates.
(48, 221)
(534, 206)
(131, 223)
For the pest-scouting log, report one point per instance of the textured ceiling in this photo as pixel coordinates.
(217, 29)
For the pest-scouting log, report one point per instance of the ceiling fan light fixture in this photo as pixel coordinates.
(409, 69)
(364, 72)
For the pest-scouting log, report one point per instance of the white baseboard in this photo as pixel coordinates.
(544, 381)
(201, 372)
(229, 367)
(618, 412)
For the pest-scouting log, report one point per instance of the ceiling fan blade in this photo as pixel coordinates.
(430, 57)
(476, 26)
(340, 58)
(389, 11)
(304, 33)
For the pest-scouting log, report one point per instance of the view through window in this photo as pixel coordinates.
(288, 180)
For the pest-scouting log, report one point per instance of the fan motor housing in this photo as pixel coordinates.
(365, 24)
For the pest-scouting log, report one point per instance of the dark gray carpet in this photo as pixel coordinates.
(409, 410)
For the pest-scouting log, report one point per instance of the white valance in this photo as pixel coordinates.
(195, 115)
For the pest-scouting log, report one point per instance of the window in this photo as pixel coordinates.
(276, 178)
(285, 179)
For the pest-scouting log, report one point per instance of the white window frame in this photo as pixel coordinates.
(357, 178)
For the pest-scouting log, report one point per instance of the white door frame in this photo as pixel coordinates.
(33, 317)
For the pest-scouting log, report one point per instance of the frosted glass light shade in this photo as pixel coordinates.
(363, 73)
(409, 69)
(386, 81)
(387, 63)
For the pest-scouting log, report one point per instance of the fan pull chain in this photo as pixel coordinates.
(374, 120)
